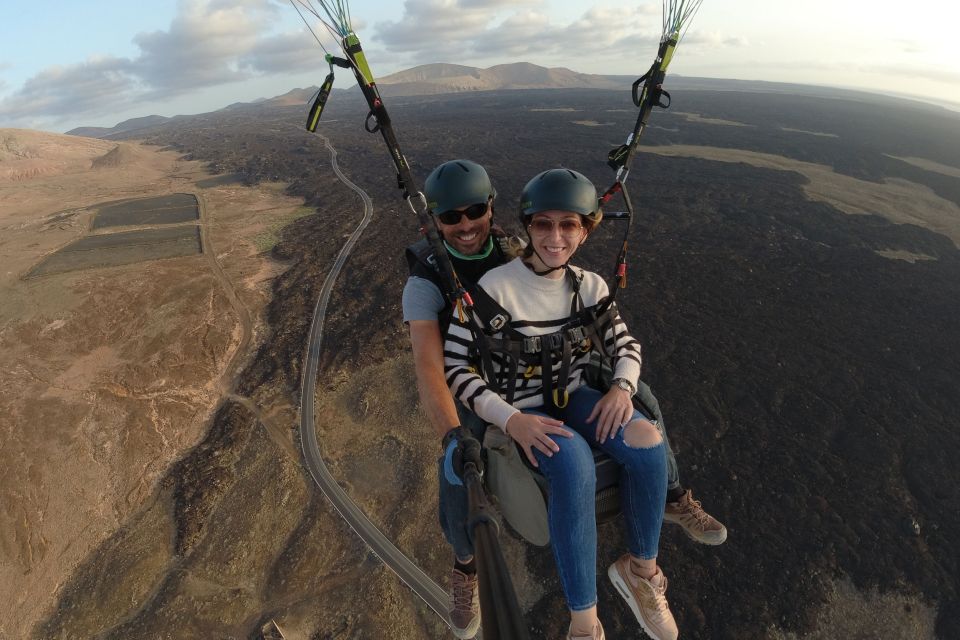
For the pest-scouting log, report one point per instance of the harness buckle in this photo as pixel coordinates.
(556, 341)
(578, 336)
(531, 345)
(498, 322)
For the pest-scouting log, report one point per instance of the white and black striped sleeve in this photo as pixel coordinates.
(617, 338)
(464, 381)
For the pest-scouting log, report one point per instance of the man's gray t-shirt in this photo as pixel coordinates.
(422, 300)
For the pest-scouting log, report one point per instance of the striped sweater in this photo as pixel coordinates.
(538, 306)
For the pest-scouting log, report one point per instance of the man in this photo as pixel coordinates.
(459, 193)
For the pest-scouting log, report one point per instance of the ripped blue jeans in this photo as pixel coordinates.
(571, 477)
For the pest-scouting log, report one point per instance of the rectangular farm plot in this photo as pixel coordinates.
(219, 181)
(171, 209)
(114, 249)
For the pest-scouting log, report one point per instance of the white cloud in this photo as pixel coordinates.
(715, 39)
(493, 4)
(96, 84)
(208, 43)
(284, 52)
(198, 48)
(431, 29)
(911, 46)
(463, 30)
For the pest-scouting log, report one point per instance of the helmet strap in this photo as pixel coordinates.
(540, 258)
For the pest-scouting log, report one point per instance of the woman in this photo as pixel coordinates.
(539, 291)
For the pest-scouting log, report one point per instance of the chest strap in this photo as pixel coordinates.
(496, 335)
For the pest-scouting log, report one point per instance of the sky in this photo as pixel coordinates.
(96, 63)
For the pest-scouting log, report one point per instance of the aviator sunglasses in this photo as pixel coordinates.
(543, 226)
(472, 212)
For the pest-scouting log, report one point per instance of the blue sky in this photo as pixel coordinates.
(66, 64)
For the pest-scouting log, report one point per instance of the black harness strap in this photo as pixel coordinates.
(558, 395)
(451, 288)
(651, 95)
(516, 350)
(595, 325)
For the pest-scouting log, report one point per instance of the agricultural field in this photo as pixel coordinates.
(127, 247)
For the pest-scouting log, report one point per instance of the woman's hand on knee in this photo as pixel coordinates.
(532, 431)
(611, 412)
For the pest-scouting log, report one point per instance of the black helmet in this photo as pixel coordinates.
(455, 184)
(560, 190)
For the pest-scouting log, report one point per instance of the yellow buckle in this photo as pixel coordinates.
(556, 401)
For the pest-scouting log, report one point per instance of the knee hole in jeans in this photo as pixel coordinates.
(641, 434)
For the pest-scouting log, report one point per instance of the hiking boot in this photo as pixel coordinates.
(647, 599)
(464, 604)
(597, 634)
(696, 523)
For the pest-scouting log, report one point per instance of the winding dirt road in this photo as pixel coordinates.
(230, 372)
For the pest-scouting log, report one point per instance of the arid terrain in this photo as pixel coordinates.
(107, 375)
(795, 281)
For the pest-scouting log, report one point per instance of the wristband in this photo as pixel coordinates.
(449, 467)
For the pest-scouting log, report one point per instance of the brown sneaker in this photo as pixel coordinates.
(696, 523)
(464, 604)
(647, 599)
(597, 634)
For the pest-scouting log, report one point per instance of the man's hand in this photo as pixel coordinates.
(531, 431)
(614, 409)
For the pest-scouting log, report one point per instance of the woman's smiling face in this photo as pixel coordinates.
(556, 236)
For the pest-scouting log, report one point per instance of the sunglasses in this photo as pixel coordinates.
(472, 212)
(543, 226)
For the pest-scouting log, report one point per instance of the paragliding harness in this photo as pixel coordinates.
(497, 339)
(422, 262)
(509, 474)
(495, 336)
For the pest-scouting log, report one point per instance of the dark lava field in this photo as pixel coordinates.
(809, 384)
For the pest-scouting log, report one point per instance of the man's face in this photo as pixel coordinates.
(467, 236)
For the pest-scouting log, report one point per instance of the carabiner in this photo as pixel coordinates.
(423, 200)
(376, 126)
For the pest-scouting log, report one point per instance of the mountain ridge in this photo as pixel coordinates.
(445, 78)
